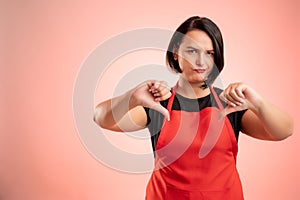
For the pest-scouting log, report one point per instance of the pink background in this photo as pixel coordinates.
(43, 46)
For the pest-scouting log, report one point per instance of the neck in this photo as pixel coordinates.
(191, 90)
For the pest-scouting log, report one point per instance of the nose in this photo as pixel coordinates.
(200, 59)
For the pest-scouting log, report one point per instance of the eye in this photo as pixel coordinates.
(210, 53)
(192, 51)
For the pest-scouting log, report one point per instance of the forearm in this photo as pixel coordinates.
(277, 123)
(126, 112)
(109, 112)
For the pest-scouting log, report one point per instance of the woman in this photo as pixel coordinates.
(194, 134)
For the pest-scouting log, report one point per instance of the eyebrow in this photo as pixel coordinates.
(191, 47)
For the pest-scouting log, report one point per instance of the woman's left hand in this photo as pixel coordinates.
(240, 96)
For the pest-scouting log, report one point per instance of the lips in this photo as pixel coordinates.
(200, 70)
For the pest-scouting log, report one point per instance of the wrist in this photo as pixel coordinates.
(259, 105)
(132, 99)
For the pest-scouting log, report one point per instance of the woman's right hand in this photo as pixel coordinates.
(126, 112)
(150, 93)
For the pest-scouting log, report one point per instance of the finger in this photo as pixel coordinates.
(162, 110)
(234, 97)
(160, 89)
(226, 111)
(239, 91)
(222, 96)
(158, 85)
(149, 84)
(225, 97)
(162, 92)
(164, 97)
(154, 86)
(163, 89)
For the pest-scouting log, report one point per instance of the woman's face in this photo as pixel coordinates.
(195, 56)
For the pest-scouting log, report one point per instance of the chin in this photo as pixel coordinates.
(195, 79)
(200, 82)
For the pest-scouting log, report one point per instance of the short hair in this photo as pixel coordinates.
(214, 33)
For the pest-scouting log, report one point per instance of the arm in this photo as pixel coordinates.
(267, 122)
(262, 120)
(126, 112)
(120, 114)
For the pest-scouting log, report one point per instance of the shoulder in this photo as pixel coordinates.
(218, 90)
(164, 103)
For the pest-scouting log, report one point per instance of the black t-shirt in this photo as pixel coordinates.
(155, 119)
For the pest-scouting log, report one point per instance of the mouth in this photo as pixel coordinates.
(199, 70)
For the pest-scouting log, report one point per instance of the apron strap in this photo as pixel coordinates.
(170, 103)
(220, 105)
(216, 97)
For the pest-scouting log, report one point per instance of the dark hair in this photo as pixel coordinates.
(212, 30)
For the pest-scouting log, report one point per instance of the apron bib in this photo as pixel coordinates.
(195, 157)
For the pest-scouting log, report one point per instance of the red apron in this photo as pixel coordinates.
(195, 157)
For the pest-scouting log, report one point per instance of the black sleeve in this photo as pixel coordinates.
(236, 121)
(148, 117)
(155, 119)
(154, 123)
